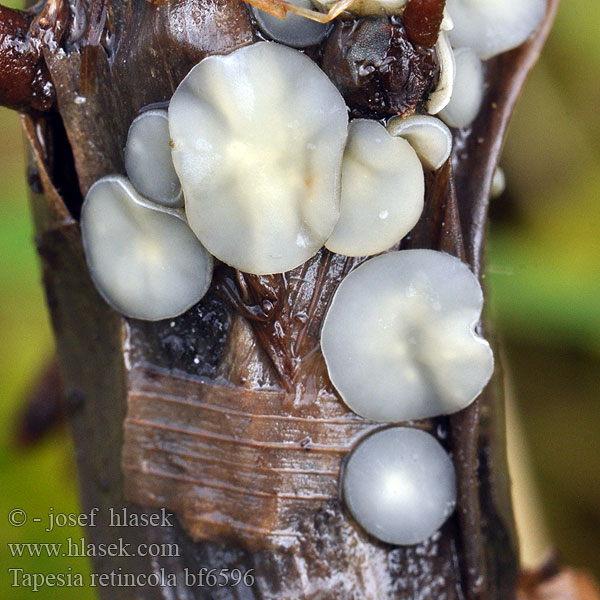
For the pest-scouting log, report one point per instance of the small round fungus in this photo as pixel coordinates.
(258, 137)
(382, 191)
(498, 183)
(430, 138)
(440, 97)
(467, 96)
(143, 258)
(399, 337)
(400, 485)
(491, 27)
(148, 159)
(295, 30)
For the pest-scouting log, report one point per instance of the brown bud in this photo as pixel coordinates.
(376, 68)
(24, 79)
(422, 20)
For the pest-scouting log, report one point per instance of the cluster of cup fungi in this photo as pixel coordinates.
(257, 165)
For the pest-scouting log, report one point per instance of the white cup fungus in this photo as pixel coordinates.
(399, 337)
(491, 27)
(382, 191)
(440, 97)
(148, 159)
(295, 30)
(143, 258)
(400, 485)
(430, 138)
(258, 137)
(467, 94)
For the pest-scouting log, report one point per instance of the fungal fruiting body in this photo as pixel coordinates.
(430, 138)
(143, 258)
(295, 30)
(400, 485)
(491, 27)
(399, 337)
(148, 159)
(467, 95)
(443, 92)
(498, 183)
(258, 137)
(382, 191)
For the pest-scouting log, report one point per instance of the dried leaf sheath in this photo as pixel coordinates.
(233, 434)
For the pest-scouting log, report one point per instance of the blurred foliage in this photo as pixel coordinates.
(543, 278)
(45, 476)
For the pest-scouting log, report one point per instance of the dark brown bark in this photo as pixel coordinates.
(225, 415)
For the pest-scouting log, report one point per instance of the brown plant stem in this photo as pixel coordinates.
(225, 415)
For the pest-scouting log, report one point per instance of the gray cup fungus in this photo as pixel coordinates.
(467, 94)
(382, 191)
(258, 137)
(491, 27)
(148, 159)
(295, 30)
(143, 258)
(399, 338)
(399, 484)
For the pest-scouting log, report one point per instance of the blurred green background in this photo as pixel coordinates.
(544, 283)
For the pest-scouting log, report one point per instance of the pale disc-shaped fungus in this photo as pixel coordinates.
(399, 337)
(430, 138)
(491, 27)
(258, 137)
(382, 191)
(295, 30)
(143, 258)
(148, 159)
(400, 485)
(467, 94)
